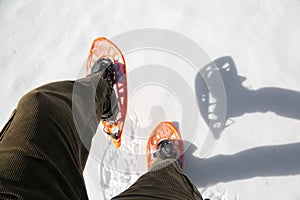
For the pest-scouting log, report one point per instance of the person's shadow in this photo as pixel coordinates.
(239, 100)
(276, 160)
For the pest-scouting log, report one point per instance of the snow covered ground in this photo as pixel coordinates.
(255, 46)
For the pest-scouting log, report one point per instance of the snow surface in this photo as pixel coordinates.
(257, 155)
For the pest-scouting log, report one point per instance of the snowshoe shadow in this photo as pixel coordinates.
(239, 100)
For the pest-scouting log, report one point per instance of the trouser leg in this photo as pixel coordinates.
(165, 180)
(45, 144)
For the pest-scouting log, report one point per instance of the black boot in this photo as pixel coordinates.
(104, 66)
(166, 150)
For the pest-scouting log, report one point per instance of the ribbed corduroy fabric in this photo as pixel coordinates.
(41, 152)
(45, 144)
(164, 181)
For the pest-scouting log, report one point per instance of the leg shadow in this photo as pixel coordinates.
(275, 160)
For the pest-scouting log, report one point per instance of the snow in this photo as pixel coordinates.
(257, 155)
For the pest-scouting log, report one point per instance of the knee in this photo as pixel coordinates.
(49, 93)
(40, 100)
(32, 97)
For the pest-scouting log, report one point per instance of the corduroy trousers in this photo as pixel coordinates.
(45, 144)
